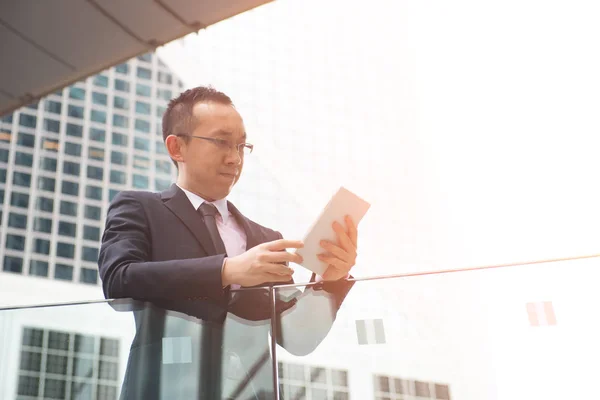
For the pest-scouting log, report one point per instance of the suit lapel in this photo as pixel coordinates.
(176, 201)
(253, 236)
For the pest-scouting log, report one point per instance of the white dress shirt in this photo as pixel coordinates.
(233, 235)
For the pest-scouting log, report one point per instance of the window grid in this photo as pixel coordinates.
(395, 388)
(312, 382)
(56, 364)
(91, 141)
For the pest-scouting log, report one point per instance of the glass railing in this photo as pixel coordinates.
(524, 332)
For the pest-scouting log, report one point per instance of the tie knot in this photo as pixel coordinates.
(208, 210)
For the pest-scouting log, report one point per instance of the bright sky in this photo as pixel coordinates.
(472, 127)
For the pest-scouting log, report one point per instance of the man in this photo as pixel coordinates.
(185, 248)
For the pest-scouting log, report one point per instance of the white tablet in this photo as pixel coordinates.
(343, 203)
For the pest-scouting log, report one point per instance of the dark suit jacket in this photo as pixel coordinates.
(156, 248)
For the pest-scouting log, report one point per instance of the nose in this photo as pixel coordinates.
(233, 156)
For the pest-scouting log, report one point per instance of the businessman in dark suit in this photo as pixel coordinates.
(184, 249)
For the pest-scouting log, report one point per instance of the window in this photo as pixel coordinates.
(161, 184)
(17, 221)
(121, 85)
(164, 94)
(118, 177)
(53, 106)
(68, 208)
(21, 179)
(70, 188)
(44, 204)
(87, 275)
(74, 130)
(99, 98)
(4, 155)
(42, 225)
(98, 116)
(77, 93)
(121, 102)
(165, 77)
(95, 172)
(93, 212)
(101, 80)
(51, 125)
(116, 157)
(97, 134)
(13, 264)
(388, 387)
(33, 106)
(119, 139)
(71, 168)
(7, 119)
(142, 126)
(160, 111)
(140, 182)
(141, 144)
(41, 246)
(67, 229)
(143, 90)
(38, 268)
(73, 149)
(65, 273)
(96, 153)
(120, 120)
(29, 121)
(75, 111)
(93, 192)
(50, 145)
(146, 57)
(144, 73)
(112, 193)
(19, 199)
(48, 164)
(2, 175)
(91, 233)
(15, 242)
(65, 250)
(25, 159)
(161, 149)
(142, 108)
(89, 254)
(25, 139)
(140, 162)
(122, 68)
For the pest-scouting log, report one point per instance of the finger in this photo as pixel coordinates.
(336, 250)
(276, 278)
(280, 256)
(276, 269)
(336, 263)
(343, 238)
(352, 230)
(282, 244)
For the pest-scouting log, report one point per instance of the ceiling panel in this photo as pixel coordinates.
(25, 60)
(136, 15)
(210, 12)
(47, 44)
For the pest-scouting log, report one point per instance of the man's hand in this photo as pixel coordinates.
(340, 256)
(261, 264)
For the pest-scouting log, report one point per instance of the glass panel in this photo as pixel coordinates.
(119, 139)
(99, 98)
(18, 221)
(77, 93)
(19, 199)
(116, 157)
(98, 135)
(91, 233)
(92, 212)
(63, 272)
(120, 120)
(65, 250)
(27, 120)
(121, 85)
(44, 204)
(122, 68)
(25, 139)
(143, 90)
(24, 159)
(95, 172)
(12, 264)
(38, 268)
(142, 126)
(41, 246)
(188, 351)
(93, 192)
(53, 106)
(21, 179)
(140, 181)
(67, 229)
(101, 80)
(51, 125)
(42, 225)
(75, 111)
(98, 116)
(70, 188)
(89, 276)
(144, 73)
(74, 130)
(68, 208)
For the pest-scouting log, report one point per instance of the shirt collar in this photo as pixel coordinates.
(197, 202)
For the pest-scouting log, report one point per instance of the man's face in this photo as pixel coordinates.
(211, 169)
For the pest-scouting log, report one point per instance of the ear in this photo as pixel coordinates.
(175, 147)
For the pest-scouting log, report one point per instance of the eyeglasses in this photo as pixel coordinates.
(225, 145)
